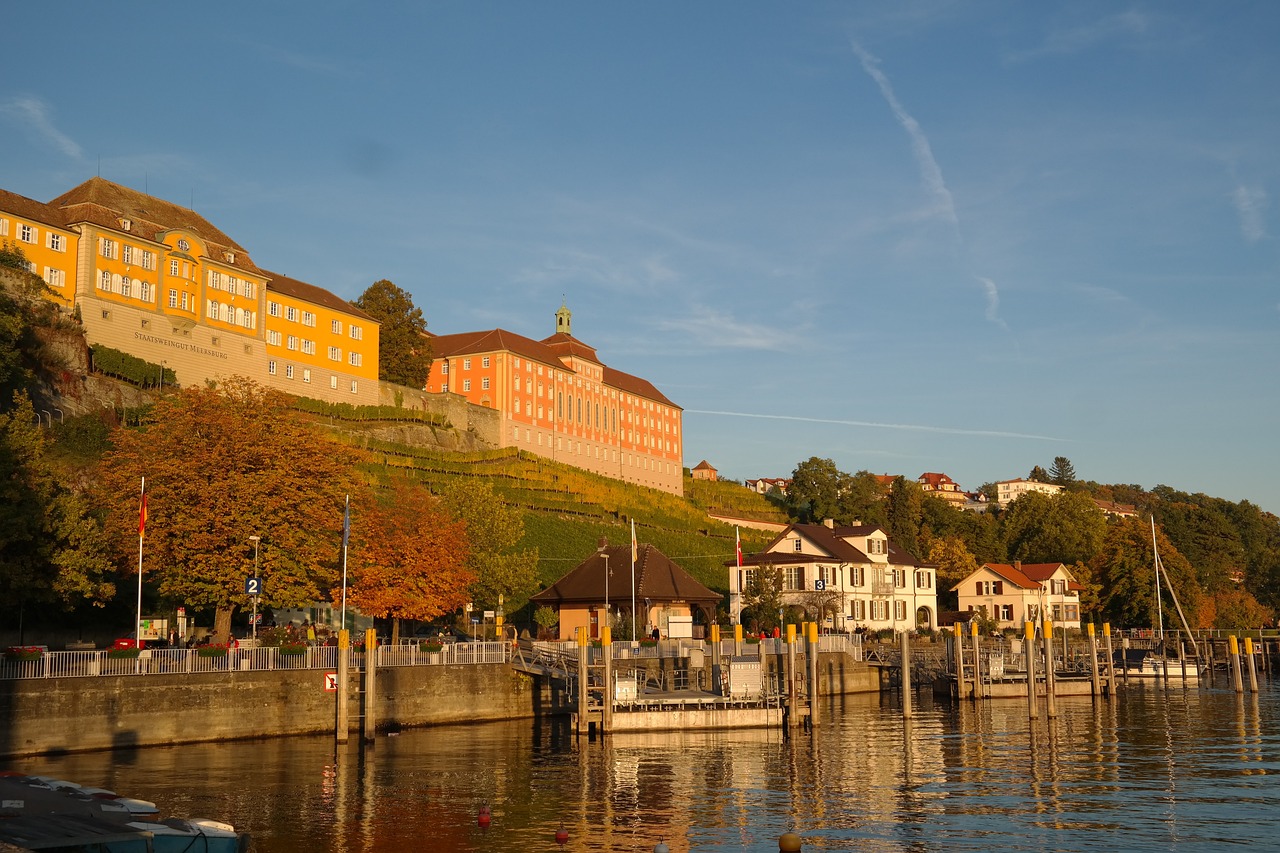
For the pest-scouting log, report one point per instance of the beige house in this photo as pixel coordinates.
(1020, 593)
(1009, 491)
(853, 575)
(942, 486)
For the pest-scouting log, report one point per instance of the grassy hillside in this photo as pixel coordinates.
(568, 511)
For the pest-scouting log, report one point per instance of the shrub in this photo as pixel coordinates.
(649, 643)
(125, 654)
(23, 653)
(431, 648)
(215, 650)
(293, 649)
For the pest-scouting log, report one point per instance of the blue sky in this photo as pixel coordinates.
(907, 236)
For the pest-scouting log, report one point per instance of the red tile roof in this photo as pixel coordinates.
(315, 295)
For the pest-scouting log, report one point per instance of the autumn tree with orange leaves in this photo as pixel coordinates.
(222, 464)
(409, 558)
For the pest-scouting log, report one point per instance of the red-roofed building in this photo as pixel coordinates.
(1023, 592)
(559, 400)
(942, 486)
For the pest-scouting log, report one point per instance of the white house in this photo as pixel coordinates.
(1009, 491)
(855, 571)
(1020, 593)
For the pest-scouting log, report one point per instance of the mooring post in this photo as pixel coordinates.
(717, 673)
(813, 675)
(1050, 689)
(1233, 657)
(977, 660)
(737, 641)
(1182, 659)
(1253, 670)
(1111, 660)
(792, 699)
(1029, 651)
(959, 643)
(906, 675)
(1093, 660)
(341, 724)
(370, 727)
(584, 650)
(606, 651)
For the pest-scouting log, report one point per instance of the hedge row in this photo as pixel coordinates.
(130, 368)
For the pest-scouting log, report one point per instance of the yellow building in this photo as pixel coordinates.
(160, 282)
(557, 399)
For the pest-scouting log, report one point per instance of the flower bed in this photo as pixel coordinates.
(431, 648)
(648, 644)
(293, 649)
(23, 653)
(212, 651)
(123, 654)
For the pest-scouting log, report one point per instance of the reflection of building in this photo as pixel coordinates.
(666, 597)
(854, 575)
(1009, 491)
(1021, 593)
(557, 399)
(160, 282)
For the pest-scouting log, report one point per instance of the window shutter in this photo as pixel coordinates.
(999, 587)
(978, 588)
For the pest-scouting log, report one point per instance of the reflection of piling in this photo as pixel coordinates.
(340, 726)
(1029, 651)
(1253, 665)
(1050, 689)
(1233, 658)
(906, 675)
(1093, 661)
(370, 679)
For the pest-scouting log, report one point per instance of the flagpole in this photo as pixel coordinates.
(633, 580)
(142, 527)
(346, 534)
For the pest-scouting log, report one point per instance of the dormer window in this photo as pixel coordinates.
(799, 545)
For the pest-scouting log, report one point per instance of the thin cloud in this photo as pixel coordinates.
(993, 302)
(293, 59)
(1067, 42)
(901, 427)
(34, 117)
(930, 172)
(711, 328)
(1251, 204)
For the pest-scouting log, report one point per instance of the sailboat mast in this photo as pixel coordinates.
(1155, 553)
(1195, 648)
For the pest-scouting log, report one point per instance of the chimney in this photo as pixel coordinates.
(602, 544)
(1017, 564)
(829, 523)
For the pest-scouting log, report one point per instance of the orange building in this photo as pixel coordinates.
(558, 400)
(160, 282)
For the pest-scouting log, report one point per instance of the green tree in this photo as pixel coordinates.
(224, 463)
(410, 559)
(546, 618)
(954, 563)
(1062, 528)
(12, 256)
(906, 512)
(763, 596)
(1038, 475)
(1062, 471)
(815, 490)
(862, 497)
(493, 529)
(404, 350)
(1124, 568)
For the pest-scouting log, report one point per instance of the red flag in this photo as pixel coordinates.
(142, 516)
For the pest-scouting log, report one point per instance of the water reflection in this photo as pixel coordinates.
(1153, 770)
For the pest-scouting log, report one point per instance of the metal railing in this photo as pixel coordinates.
(89, 664)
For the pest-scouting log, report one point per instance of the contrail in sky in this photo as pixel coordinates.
(912, 427)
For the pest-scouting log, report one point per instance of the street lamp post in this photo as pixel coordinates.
(606, 590)
(253, 626)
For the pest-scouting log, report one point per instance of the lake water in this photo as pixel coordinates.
(1153, 770)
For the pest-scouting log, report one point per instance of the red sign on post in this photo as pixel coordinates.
(331, 682)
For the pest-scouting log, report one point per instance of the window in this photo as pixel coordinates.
(877, 546)
(291, 314)
(484, 383)
(4, 227)
(271, 368)
(173, 298)
(1058, 586)
(356, 332)
(858, 609)
(273, 309)
(173, 267)
(355, 387)
(333, 382)
(273, 338)
(292, 343)
(484, 362)
(880, 610)
(106, 247)
(466, 364)
(308, 347)
(128, 255)
(900, 610)
(144, 292)
(306, 375)
(26, 233)
(444, 368)
(335, 326)
(56, 278)
(308, 319)
(124, 286)
(466, 385)
(793, 577)
(1006, 612)
(248, 288)
(355, 359)
(57, 242)
(900, 578)
(924, 580)
(1073, 612)
(185, 305)
(444, 387)
(335, 354)
(797, 545)
(288, 371)
(148, 260)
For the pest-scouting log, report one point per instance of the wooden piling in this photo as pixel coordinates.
(1029, 651)
(1050, 689)
(906, 675)
(814, 714)
(1233, 657)
(1253, 666)
(343, 720)
(370, 727)
(717, 672)
(584, 651)
(1093, 661)
(1111, 660)
(606, 650)
(793, 701)
(977, 660)
(959, 646)
(737, 641)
